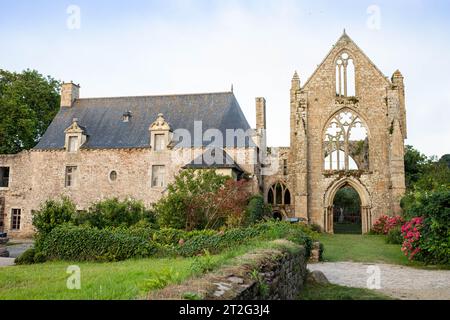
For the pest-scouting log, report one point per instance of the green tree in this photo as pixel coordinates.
(415, 165)
(445, 159)
(28, 104)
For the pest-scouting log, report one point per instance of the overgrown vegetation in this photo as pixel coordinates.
(203, 199)
(114, 230)
(424, 229)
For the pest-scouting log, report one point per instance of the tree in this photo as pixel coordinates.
(415, 164)
(445, 159)
(28, 104)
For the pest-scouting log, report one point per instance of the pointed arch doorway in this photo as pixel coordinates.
(364, 206)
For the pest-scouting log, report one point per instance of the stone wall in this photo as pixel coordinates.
(267, 274)
(37, 176)
(380, 103)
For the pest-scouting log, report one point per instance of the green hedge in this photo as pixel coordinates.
(215, 243)
(82, 243)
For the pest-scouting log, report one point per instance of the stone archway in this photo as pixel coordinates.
(366, 213)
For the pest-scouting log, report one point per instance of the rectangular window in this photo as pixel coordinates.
(159, 142)
(70, 176)
(15, 219)
(158, 176)
(4, 177)
(73, 144)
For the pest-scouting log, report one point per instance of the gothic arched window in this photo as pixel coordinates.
(279, 194)
(346, 142)
(345, 75)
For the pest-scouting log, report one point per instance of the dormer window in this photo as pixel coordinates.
(160, 134)
(75, 137)
(160, 142)
(126, 116)
(73, 144)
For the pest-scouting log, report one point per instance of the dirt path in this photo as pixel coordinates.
(396, 281)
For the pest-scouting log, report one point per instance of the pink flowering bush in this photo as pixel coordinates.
(384, 224)
(411, 233)
(379, 225)
(392, 223)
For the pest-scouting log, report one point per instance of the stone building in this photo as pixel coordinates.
(348, 126)
(124, 147)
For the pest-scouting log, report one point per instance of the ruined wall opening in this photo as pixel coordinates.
(352, 196)
(279, 195)
(345, 76)
(346, 143)
(347, 211)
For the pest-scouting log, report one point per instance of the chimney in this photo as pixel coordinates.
(260, 113)
(69, 93)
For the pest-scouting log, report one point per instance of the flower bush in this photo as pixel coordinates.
(385, 224)
(378, 226)
(411, 233)
(392, 223)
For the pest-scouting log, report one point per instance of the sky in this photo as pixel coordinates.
(137, 47)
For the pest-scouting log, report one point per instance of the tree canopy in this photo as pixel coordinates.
(28, 103)
(426, 173)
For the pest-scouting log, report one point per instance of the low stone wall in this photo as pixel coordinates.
(278, 273)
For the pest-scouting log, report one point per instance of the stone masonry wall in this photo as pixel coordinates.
(266, 274)
(37, 176)
(379, 102)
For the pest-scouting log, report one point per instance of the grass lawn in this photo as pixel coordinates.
(335, 292)
(366, 248)
(361, 248)
(101, 281)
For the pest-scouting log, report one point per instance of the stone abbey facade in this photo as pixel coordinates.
(348, 125)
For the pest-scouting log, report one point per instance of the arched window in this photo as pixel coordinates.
(346, 143)
(279, 195)
(345, 75)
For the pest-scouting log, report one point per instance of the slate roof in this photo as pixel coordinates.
(102, 118)
(214, 158)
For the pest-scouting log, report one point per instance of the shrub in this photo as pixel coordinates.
(379, 225)
(214, 243)
(203, 200)
(115, 213)
(160, 280)
(180, 209)
(434, 210)
(394, 222)
(411, 234)
(52, 214)
(256, 209)
(316, 228)
(26, 258)
(394, 236)
(84, 243)
(203, 264)
(39, 257)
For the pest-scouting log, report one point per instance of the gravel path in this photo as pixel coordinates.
(6, 262)
(396, 281)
